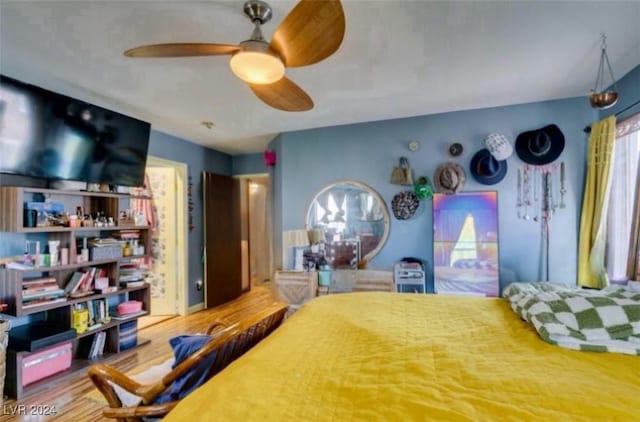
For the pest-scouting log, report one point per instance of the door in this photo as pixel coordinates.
(163, 275)
(222, 239)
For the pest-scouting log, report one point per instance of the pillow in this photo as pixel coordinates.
(183, 346)
(148, 376)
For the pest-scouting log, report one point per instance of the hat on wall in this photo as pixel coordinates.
(540, 146)
(499, 146)
(486, 169)
(449, 178)
(404, 205)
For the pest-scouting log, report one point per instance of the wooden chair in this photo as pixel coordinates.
(227, 344)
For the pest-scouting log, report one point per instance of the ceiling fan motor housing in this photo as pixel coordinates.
(258, 10)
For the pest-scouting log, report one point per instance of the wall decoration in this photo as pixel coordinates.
(465, 243)
(449, 178)
(499, 146)
(455, 149)
(540, 146)
(405, 204)
(540, 194)
(486, 169)
(190, 203)
(161, 268)
(401, 173)
(602, 97)
(348, 210)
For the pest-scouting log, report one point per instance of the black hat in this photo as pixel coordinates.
(486, 169)
(540, 146)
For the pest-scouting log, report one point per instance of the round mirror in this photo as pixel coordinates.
(350, 221)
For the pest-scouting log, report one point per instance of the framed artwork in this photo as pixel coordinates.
(465, 243)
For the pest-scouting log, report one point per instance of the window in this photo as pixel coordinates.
(622, 219)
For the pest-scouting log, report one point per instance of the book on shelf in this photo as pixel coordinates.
(98, 311)
(39, 285)
(74, 282)
(97, 345)
(30, 282)
(81, 282)
(101, 342)
(42, 301)
(122, 317)
(45, 294)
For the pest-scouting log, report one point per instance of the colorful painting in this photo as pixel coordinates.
(465, 243)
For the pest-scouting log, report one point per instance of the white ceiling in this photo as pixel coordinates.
(398, 59)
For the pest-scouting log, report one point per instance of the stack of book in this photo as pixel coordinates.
(41, 291)
(132, 274)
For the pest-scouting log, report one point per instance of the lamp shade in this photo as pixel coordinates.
(257, 67)
(295, 238)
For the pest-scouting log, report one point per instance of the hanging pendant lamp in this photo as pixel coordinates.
(603, 96)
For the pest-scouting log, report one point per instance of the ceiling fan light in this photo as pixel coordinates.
(256, 67)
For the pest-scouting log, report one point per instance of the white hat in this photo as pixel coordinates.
(499, 146)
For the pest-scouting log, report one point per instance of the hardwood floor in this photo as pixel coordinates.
(68, 401)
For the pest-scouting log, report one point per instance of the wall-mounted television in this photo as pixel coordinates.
(49, 135)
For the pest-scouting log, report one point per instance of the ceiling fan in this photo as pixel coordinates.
(312, 31)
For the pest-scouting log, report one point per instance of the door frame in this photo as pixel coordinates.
(182, 229)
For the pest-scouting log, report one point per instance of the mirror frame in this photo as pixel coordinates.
(383, 206)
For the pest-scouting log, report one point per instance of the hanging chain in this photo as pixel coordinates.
(604, 59)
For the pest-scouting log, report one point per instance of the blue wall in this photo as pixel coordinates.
(198, 159)
(248, 164)
(308, 160)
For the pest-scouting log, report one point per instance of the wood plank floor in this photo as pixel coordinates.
(68, 398)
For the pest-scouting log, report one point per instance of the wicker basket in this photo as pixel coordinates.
(4, 339)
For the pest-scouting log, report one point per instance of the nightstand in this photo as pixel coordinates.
(296, 287)
(409, 277)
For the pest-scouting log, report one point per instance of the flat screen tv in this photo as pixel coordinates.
(48, 135)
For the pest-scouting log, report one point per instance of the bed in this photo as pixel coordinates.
(397, 357)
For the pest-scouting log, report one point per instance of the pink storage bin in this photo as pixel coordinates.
(129, 307)
(45, 362)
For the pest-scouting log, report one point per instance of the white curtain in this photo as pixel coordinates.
(623, 188)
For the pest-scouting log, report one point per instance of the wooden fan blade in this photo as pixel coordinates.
(311, 32)
(284, 95)
(181, 50)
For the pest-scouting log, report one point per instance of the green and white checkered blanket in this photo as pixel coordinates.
(606, 320)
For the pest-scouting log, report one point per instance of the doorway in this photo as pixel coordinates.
(167, 273)
(259, 225)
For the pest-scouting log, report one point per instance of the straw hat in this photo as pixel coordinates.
(449, 177)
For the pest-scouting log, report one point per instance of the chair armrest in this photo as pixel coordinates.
(102, 377)
(150, 410)
(216, 325)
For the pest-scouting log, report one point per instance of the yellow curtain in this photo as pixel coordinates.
(595, 204)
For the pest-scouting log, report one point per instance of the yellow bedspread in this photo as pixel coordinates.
(400, 357)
